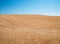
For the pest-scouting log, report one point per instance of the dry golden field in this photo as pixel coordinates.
(29, 29)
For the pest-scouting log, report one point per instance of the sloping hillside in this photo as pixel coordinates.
(29, 29)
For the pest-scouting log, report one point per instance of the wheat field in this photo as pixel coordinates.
(29, 29)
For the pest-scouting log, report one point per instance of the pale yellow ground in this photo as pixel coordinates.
(29, 29)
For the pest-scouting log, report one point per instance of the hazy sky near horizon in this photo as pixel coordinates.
(46, 7)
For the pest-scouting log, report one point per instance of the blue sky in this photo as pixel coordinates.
(46, 7)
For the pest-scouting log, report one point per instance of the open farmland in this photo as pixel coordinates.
(29, 29)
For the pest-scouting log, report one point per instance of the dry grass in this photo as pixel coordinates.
(29, 29)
